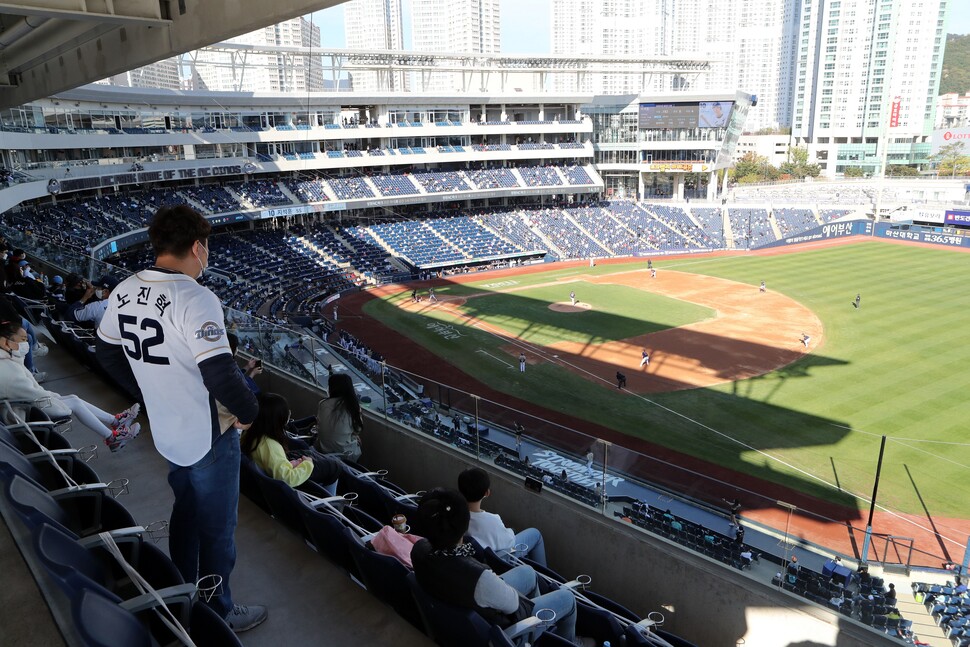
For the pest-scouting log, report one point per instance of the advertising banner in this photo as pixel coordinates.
(826, 232)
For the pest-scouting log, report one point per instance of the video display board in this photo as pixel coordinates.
(703, 114)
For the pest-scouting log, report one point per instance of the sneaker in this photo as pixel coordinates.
(40, 350)
(122, 436)
(243, 618)
(40, 376)
(126, 417)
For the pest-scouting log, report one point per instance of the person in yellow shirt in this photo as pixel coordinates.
(267, 444)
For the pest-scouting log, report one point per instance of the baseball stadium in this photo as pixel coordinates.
(738, 409)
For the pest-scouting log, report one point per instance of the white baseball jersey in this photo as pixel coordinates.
(167, 323)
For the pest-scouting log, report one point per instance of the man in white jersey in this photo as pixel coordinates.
(164, 335)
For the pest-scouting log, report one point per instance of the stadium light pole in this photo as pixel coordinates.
(872, 504)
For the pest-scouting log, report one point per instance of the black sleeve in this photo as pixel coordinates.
(225, 382)
(113, 360)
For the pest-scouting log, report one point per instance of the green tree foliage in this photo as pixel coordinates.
(853, 171)
(952, 160)
(753, 168)
(797, 165)
(900, 170)
(956, 65)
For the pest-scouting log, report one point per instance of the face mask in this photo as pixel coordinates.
(202, 266)
(21, 350)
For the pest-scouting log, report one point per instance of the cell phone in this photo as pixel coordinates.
(259, 363)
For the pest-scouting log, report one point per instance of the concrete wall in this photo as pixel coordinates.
(702, 600)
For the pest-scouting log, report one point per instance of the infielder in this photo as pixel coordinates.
(644, 358)
(572, 297)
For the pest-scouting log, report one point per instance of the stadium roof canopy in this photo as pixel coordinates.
(47, 46)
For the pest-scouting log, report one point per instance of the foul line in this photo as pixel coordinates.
(483, 352)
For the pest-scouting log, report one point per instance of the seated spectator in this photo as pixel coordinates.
(23, 283)
(18, 383)
(339, 422)
(793, 566)
(57, 288)
(35, 348)
(891, 594)
(266, 443)
(447, 569)
(487, 528)
(93, 303)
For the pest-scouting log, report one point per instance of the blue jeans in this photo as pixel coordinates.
(204, 515)
(523, 579)
(536, 548)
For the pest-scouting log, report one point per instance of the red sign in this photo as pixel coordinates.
(894, 114)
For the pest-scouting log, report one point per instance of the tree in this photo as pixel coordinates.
(899, 170)
(853, 171)
(753, 168)
(951, 160)
(797, 165)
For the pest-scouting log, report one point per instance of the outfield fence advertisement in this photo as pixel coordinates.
(886, 230)
(957, 217)
(826, 232)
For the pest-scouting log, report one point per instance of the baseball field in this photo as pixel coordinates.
(732, 379)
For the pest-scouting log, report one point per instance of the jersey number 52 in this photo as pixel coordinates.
(140, 350)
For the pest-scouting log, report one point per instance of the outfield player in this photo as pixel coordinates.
(521, 362)
(644, 358)
(572, 297)
(164, 335)
(858, 300)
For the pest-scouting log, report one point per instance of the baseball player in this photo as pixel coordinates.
(521, 362)
(589, 462)
(806, 339)
(572, 297)
(431, 295)
(858, 300)
(653, 273)
(644, 358)
(763, 287)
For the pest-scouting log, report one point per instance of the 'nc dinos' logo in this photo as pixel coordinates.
(210, 331)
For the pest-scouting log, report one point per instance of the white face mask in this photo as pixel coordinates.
(21, 350)
(202, 266)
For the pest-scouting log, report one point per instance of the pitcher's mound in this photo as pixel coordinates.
(564, 306)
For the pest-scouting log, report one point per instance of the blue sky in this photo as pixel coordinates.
(525, 25)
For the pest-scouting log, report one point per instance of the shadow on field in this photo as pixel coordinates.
(706, 422)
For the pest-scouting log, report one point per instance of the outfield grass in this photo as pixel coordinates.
(897, 366)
